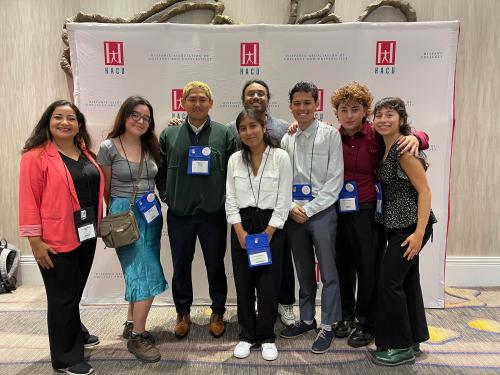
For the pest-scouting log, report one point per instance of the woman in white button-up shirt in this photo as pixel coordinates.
(258, 200)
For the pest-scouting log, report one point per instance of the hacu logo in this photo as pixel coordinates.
(385, 57)
(319, 108)
(386, 53)
(113, 53)
(177, 101)
(249, 54)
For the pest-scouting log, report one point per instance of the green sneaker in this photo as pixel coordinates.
(416, 350)
(393, 357)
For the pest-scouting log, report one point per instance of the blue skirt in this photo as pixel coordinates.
(140, 261)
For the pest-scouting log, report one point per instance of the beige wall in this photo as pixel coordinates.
(30, 79)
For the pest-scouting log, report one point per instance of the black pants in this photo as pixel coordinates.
(287, 289)
(400, 306)
(64, 286)
(211, 231)
(263, 279)
(360, 245)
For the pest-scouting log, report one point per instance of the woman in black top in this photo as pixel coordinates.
(60, 199)
(406, 214)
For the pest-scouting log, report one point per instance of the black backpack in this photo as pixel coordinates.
(9, 260)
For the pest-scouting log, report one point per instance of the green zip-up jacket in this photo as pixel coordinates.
(188, 195)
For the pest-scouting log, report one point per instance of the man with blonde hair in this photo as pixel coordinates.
(191, 180)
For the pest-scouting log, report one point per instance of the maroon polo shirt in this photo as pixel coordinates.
(360, 159)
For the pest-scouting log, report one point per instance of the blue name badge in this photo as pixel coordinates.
(149, 207)
(258, 251)
(380, 199)
(348, 197)
(199, 160)
(302, 193)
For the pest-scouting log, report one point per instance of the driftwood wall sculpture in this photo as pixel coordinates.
(163, 11)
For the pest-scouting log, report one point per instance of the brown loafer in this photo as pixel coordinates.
(217, 326)
(182, 324)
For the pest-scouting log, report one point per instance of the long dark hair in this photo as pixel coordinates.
(41, 133)
(149, 140)
(260, 117)
(398, 105)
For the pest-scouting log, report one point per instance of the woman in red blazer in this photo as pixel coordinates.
(60, 205)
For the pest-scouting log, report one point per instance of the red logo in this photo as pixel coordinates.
(317, 272)
(249, 54)
(177, 101)
(319, 108)
(386, 52)
(113, 53)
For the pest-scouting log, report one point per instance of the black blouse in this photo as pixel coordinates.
(85, 177)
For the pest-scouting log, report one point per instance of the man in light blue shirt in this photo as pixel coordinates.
(315, 151)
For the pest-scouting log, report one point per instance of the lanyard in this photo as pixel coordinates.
(140, 168)
(260, 181)
(312, 157)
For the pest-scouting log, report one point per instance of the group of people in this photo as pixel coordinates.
(354, 200)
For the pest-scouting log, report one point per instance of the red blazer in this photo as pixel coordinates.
(45, 207)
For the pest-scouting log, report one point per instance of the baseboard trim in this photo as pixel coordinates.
(472, 271)
(460, 271)
(29, 273)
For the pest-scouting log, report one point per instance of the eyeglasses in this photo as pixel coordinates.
(140, 118)
(259, 93)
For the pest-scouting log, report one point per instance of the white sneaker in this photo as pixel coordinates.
(287, 315)
(269, 351)
(242, 349)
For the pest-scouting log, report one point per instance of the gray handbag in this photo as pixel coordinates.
(121, 229)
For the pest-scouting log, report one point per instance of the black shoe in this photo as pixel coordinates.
(298, 329)
(343, 328)
(360, 337)
(90, 341)
(82, 368)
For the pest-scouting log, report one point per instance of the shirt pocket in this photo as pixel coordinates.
(242, 185)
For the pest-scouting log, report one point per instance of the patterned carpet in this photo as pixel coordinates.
(465, 339)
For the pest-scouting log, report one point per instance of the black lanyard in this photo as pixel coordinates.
(140, 168)
(260, 181)
(312, 157)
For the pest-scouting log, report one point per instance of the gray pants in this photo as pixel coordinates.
(317, 235)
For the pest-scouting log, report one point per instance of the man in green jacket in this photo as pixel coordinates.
(191, 181)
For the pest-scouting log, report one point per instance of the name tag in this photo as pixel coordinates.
(302, 193)
(348, 197)
(380, 199)
(199, 160)
(85, 224)
(258, 251)
(149, 207)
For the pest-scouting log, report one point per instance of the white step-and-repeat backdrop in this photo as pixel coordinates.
(415, 61)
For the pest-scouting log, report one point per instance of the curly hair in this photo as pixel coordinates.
(353, 92)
